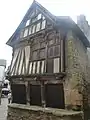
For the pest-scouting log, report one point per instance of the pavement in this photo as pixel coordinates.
(3, 109)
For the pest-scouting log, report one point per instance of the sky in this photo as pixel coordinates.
(12, 12)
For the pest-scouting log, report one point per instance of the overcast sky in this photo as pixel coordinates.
(12, 12)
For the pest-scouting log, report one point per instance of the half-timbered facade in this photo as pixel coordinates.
(40, 63)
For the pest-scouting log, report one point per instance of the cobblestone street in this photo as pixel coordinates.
(3, 109)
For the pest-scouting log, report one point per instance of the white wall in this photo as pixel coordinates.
(2, 73)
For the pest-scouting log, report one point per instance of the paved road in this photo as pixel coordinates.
(3, 109)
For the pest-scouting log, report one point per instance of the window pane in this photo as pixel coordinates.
(57, 50)
(42, 66)
(21, 34)
(34, 19)
(51, 42)
(39, 16)
(34, 55)
(38, 67)
(30, 68)
(30, 31)
(43, 17)
(43, 24)
(25, 32)
(33, 29)
(50, 66)
(56, 65)
(42, 53)
(27, 23)
(50, 52)
(34, 67)
(23, 70)
(38, 27)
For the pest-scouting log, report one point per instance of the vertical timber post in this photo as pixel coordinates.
(27, 93)
(62, 55)
(42, 94)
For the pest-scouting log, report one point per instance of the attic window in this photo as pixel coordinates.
(27, 23)
(43, 17)
(33, 28)
(43, 24)
(25, 32)
(34, 20)
(39, 16)
(30, 30)
(38, 27)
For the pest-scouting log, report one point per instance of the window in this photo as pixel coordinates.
(43, 24)
(37, 27)
(33, 28)
(36, 24)
(34, 67)
(30, 68)
(50, 52)
(43, 17)
(35, 55)
(38, 67)
(25, 32)
(30, 30)
(57, 50)
(56, 65)
(42, 53)
(42, 66)
(27, 23)
(34, 20)
(50, 66)
(39, 16)
(21, 34)
(51, 42)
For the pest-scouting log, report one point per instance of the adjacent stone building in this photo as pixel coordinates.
(49, 66)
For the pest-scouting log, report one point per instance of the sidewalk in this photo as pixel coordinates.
(3, 109)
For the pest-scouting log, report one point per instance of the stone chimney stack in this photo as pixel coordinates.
(84, 26)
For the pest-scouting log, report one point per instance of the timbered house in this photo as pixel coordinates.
(43, 69)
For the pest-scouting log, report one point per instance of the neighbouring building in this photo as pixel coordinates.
(49, 65)
(2, 74)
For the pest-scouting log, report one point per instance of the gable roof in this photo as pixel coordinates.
(66, 20)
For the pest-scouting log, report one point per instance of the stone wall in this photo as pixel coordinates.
(23, 112)
(76, 62)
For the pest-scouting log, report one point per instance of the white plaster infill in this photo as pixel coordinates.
(53, 111)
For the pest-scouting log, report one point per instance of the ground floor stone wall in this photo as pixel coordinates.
(24, 112)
